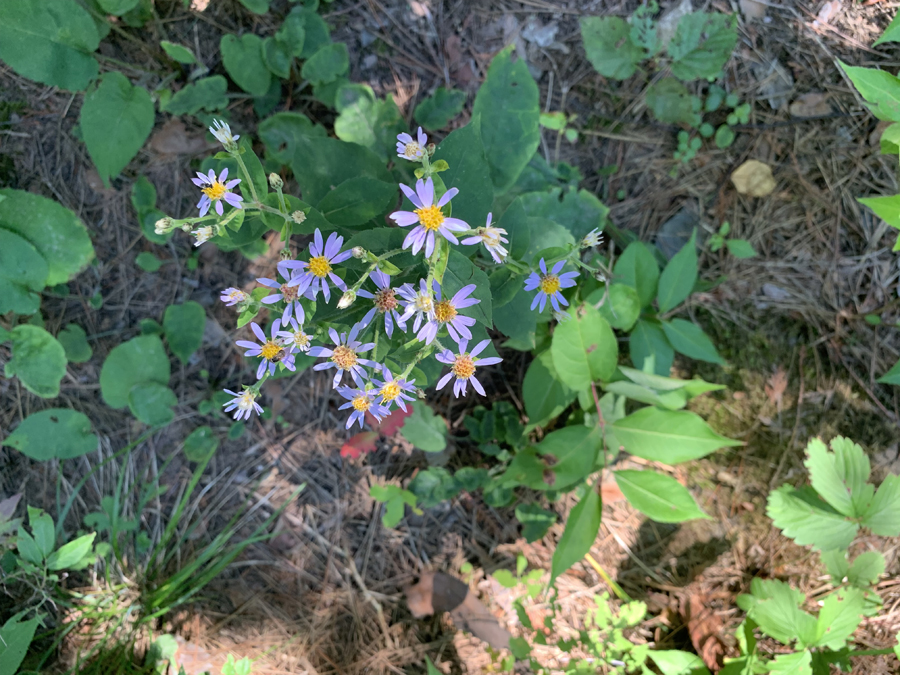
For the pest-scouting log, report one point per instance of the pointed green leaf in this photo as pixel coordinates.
(544, 395)
(43, 530)
(571, 453)
(584, 349)
(27, 547)
(646, 340)
(883, 516)
(579, 535)
(72, 553)
(839, 617)
(808, 520)
(356, 201)
(741, 248)
(892, 376)
(469, 172)
(15, 635)
(689, 339)
(886, 208)
(866, 569)
(882, 92)
(178, 52)
(462, 272)
(637, 267)
(678, 278)
(658, 496)
(796, 663)
(840, 476)
(668, 436)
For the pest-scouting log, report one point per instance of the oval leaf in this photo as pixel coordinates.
(689, 339)
(584, 349)
(668, 436)
(141, 359)
(57, 433)
(243, 60)
(38, 360)
(660, 497)
(184, 325)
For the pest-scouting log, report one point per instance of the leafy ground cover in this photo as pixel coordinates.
(801, 352)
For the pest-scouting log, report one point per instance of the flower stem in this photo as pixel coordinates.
(246, 176)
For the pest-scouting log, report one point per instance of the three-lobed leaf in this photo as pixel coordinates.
(809, 521)
(702, 43)
(840, 476)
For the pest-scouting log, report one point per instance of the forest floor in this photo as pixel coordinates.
(801, 358)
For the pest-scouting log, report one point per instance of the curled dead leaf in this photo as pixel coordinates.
(775, 387)
(705, 628)
(812, 104)
(753, 178)
(437, 592)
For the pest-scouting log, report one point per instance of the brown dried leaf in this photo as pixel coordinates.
(812, 104)
(705, 628)
(752, 9)
(173, 139)
(776, 386)
(753, 178)
(474, 617)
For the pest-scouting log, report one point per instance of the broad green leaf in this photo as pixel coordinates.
(584, 349)
(395, 499)
(178, 52)
(676, 662)
(55, 433)
(367, 120)
(689, 339)
(433, 486)
(658, 496)
(243, 60)
(886, 208)
(200, 444)
(839, 617)
(637, 268)
(315, 30)
(141, 359)
(509, 109)
(15, 635)
(621, 305)
(774, 606)
(117, 7)
(278, 57)
(702, 44)
(38, 360)
(678, 278)
(208, 93)
(42, 529)
(356, 201)
(321, 163)
(116, 118)
(424, 429)
(535, 521)
(670, 102)
(668, 436)
(546, 237)
(256, 6)
(280, 132)
(21, 263)
(74, 342)
(646, 340)
(544, 395)
(808, 520)
(866, 569)
(881, 91)
(570, 453)
(152, 403)
(461, 272)
(840, 476)
(184, 325)
(792, 663)
(609, 47)
(328, 64)
(505, 284)
(27, 548)
(293, 32)
(147, 262)
(741, 248)
(516, 320)
(892, 376)
(72, 553)
(671, 400)
(577, 211)
(469, 172)
(18, 299)
(49, 41)
(55, 231)
(579, 535)
(883, 516)
(436, 111)
(515, 221)
(505, 578)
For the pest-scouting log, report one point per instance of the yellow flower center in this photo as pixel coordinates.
(270, 350)
(289, 293)
(444, 311)
(385, 300)
(344, 357)
(463, 367)
(412, 150)
(430, 217)
(215, 191)
(390, 391)
(319, 266)
(237, 295)
(550, 284)
(490, 238)
(301, 339)
(361, 403)
(424, 303)
(247, 400)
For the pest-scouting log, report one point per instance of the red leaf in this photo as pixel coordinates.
(391, 424)
(357, 445)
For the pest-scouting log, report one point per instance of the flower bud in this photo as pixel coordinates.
(358, 252)
(346, 300)
(186, 227)
(163, 225)
(420, 393)
(275, 181)
(298, 217)
(286, 254)
(592, 238)
(430, 148)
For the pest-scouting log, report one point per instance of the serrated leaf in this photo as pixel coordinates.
(808, 520)
(671, 102)
(677, 662)
(689, 339)
(678, 278)
(658, 496)
(702, 44)
(424, 429)
(796, 663)
(609, 47)
(208, 93)
(866, 569)
(774, 606)
(883, 516)
(839, 617)
(668, 436)
(840, 476)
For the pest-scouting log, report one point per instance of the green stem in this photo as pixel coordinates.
(246, 176)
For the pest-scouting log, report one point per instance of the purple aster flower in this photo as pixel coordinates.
(272, 350)
(392, 390)
(385, 301)
(429, 216)
(233, 296)
(287, 291)
(345, 356)
(318, 269)
(243, 404)
(223, 134)
(549, 284)
(296, 337)
(421, 304)
(491, 237)
(408, 148)
(462, 367)
(361, 402)
(446, 314)
(216, 190)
